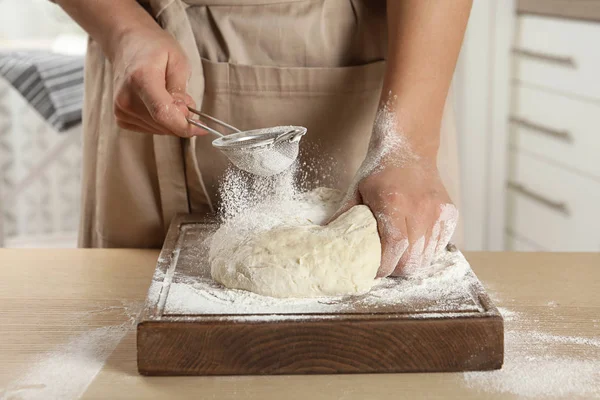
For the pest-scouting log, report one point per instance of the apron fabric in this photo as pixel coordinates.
(255, 64)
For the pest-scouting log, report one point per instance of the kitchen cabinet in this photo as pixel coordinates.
(553, 168)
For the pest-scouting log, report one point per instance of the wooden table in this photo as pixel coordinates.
(50, 296)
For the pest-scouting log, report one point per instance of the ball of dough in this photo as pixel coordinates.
(307, 260)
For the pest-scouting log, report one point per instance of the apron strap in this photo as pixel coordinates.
(170, 168)
(172, 153)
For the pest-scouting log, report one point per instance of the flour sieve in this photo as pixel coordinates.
(262, 152)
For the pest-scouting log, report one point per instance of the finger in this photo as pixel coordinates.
(449, 218)
(189, 101)
(129, 108)
(130, 119)
(413, 257)
(138, 128)
(177, 76)
(394, 242)
(184, 101)
(431, 245)
(392, 229)
(164, 110)
(181, 103)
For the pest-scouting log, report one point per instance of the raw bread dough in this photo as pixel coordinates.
(302, 260)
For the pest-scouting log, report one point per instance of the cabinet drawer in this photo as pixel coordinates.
(553, 207)
(556, 127)
(558, 54)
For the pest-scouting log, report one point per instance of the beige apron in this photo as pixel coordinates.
(255, 63)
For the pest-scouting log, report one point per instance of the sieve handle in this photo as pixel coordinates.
(213, 119)
(201, 125)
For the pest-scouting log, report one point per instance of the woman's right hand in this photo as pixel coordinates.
(151, 72)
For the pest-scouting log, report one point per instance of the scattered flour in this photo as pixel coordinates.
(542, 337)
(68, 370)
(507, 314)
(535, 364)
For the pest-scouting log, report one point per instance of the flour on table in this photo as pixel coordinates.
(537, 366)
(66, 371)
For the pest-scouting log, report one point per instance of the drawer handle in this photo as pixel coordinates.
(558, 206)
(565, 61)
(555, 133)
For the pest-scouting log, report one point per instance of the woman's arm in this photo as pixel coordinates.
(108, 21)
(399, 179)
(424, 40)
(150, 70)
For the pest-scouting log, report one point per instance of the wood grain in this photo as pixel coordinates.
(394, 338)
(358, 346)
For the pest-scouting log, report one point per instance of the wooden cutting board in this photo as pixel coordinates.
(193, 326)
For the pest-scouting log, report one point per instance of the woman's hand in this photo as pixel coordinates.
(399, 179)
(415, 216)
(150, 68)
(150, 84)
(402, 187)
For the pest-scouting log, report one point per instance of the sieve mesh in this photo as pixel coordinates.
(263, 152)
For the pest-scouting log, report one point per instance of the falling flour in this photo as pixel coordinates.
(242, 193)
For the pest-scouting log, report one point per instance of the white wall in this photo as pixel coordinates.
(33, 19)
(481, 90)
(26, 139)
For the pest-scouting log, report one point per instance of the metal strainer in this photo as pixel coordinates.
(262, 152)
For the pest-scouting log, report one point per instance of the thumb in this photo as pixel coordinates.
(161, 104)
(177, 76)
(394, 242)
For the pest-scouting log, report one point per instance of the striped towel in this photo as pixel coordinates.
(52, 83)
